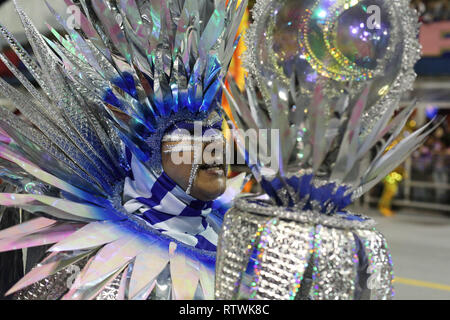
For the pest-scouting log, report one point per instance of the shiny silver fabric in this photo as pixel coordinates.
(56, 286)
(263, 256)
(53, 287)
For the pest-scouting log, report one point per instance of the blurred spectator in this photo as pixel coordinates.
(432, 10)
(419, 6)
(440, 167)
(431, 163)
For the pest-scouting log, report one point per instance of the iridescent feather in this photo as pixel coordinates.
(110, 84)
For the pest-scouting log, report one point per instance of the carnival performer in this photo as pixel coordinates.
(111, 156)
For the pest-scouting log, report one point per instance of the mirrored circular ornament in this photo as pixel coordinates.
(342, 44)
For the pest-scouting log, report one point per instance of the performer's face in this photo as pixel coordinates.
(210, 179)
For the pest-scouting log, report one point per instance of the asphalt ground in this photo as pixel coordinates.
(420, 248)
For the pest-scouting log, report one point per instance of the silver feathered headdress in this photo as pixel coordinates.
(330, 84)
(141, 65)
(330, 112)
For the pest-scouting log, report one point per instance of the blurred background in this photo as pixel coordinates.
(412, 204)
